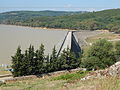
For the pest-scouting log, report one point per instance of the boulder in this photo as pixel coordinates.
(114, 70)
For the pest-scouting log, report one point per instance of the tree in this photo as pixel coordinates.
(47, 67)
(91, 63)
(31, 62)
(40, 60)
(17, 62)
(74, 62)
(67, 60)
(117, 52)
(53, 60)
(100, 55)
(35, 63)
(25, 64)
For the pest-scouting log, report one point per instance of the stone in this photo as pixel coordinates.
(114, 70)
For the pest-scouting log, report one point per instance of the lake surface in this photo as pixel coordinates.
(13, 36)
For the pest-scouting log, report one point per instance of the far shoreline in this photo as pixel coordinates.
(54, 29)
(42, 28)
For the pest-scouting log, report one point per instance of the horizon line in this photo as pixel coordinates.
(76, 9)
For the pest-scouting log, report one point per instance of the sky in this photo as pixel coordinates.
(58, 5)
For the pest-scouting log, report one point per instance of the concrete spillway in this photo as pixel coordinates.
(70, 41)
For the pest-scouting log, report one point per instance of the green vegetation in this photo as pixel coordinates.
(17, 17)
(117, 47)
(99, 56)
(71, 76)
(106, 19)
(36, 63)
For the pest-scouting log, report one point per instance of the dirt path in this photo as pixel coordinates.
(5, 78)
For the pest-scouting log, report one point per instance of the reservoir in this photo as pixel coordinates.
(13, 36)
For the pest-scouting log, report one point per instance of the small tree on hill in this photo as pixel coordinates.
(17, 63)
(47, 67)
(31, 62)
(25, 64)
(53, 60)
(40, 60)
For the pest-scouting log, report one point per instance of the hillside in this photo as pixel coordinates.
(67, 81)
(39, 13)
(19, 16)
(106, 19)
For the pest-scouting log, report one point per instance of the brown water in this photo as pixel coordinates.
(13, 36)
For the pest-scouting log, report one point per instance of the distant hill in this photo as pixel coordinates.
(41, 13)
(23, 15)
(106, 19)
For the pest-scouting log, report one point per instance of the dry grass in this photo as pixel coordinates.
(93, 39)
(33, 84)
(108, 83)
(108, 36)
(2, 71)
(96, 84)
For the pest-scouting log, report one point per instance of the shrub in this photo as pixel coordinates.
(100, 55)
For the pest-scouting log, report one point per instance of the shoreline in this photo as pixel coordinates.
(56, 29)
(42, 28)
(49, 28)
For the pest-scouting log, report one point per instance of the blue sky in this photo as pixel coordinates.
(61, 5)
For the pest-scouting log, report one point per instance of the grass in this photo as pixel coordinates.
(50, 83)
(69, 81)
(71, 76)
(33, 84)
(107, 83)
(118, 84)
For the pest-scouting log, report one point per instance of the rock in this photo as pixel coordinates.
(2, 81)
(114, 70)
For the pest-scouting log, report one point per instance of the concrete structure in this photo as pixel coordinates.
(70, 41)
